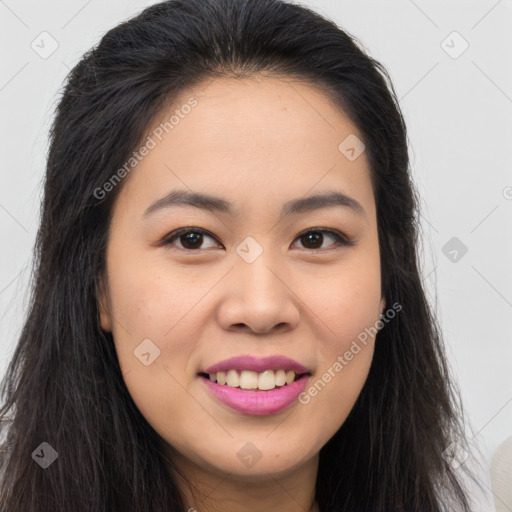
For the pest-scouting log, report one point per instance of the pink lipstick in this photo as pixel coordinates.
(257, 401)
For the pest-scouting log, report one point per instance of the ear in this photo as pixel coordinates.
(382, 306)
(102, 302)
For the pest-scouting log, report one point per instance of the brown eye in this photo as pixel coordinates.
(314, 238)
(190, 239)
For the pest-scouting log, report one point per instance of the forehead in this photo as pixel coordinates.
(273, 136)
(261, 110)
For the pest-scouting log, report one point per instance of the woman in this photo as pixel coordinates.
(268, 369)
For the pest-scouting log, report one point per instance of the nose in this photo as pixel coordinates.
(258, 297)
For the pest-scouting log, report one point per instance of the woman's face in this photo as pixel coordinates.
(245, 279)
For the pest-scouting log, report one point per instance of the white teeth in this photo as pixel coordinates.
(280, 378)
(266, 380)
(247, 379)
(233, 380)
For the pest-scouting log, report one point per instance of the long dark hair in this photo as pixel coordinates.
(64, 385)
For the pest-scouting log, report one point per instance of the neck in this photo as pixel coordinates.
(209, 491)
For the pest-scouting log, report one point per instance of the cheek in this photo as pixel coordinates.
(330, 397)
(154, 316)
(346, 301)
(146, 334)
(347, 306)
(162, 399)
(343, 367)
(152, 304)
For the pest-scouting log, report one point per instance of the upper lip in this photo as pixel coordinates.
(258, 364)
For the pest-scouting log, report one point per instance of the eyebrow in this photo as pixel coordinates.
(293, 207)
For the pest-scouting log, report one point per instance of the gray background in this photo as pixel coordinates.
(458, 109)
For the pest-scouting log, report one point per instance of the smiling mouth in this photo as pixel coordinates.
(255, 381)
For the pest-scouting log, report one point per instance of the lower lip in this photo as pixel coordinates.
(258, 402)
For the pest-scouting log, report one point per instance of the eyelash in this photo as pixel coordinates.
(341, 241)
